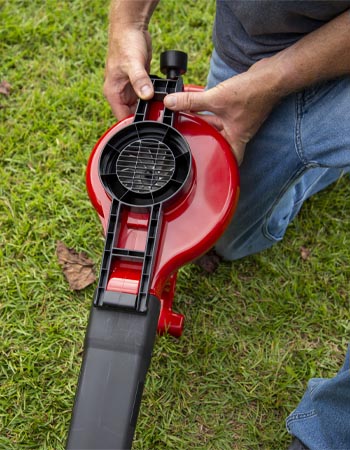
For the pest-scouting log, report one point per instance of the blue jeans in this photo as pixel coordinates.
(302, 148)
(322, 419)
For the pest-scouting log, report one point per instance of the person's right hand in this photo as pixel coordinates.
(127, 67)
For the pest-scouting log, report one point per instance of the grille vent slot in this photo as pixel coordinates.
(145, 166)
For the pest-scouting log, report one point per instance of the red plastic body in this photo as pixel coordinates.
(190, 225)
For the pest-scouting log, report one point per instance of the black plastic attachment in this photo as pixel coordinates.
(139, 302)
(173, 63)
(162, 87)
(145, 165)
(117, 354)
(142, 167)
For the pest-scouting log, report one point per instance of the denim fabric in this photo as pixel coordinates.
(322, 419)
(302, 148)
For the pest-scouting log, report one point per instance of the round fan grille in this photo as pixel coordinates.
(145, 163)
(145, 166)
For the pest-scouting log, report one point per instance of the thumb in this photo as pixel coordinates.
(187, 101)
(141, 82)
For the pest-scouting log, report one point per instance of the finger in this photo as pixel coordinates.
(187, 101)
(213, 120)
(238, 148)
(238, 154)
(121, 111)
(141, 82)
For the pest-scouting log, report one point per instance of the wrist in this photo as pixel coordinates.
(289, 79)
(131, 14)
(268, 77)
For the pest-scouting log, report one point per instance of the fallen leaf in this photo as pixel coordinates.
(78, 269)
(5, 88)
(305, 253)
(208, 262)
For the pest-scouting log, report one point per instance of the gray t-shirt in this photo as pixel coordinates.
(248, 30)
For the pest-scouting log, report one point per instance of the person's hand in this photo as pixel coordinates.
(127, 68)
(239, 105)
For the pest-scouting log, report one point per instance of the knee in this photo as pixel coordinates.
(232, 247)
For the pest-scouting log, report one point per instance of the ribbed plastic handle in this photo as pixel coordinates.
(117, 354)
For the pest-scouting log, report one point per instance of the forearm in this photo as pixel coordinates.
(136, 13)
(242, 103)
(129, 55)
(321, 55)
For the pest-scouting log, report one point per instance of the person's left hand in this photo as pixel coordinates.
(239, 105)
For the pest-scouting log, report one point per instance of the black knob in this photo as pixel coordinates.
(173, 63)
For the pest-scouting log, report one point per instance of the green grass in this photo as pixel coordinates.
(256, 330)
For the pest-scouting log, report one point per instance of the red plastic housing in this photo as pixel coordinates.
(191, 224)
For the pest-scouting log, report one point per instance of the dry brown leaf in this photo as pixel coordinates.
(78, 269)
(305, 253)
(5, 88)
(208, 262)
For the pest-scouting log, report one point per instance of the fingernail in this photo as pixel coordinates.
(170, 101)
(146, 90)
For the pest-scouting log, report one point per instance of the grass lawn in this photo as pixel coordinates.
(256, 330)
